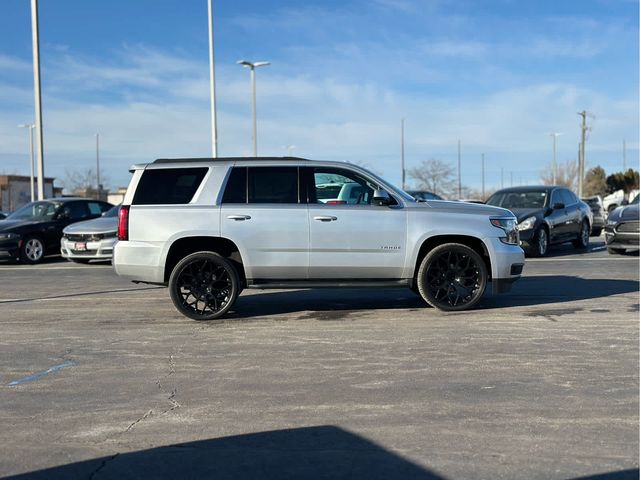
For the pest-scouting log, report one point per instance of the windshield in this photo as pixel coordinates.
(35, 211)
(509, 200)
(112, 212)
(635, 200)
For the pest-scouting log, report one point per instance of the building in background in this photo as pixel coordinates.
(15, 191)
(117, 196)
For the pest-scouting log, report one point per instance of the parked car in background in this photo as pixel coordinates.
(33, 231)
(622, 231)
(617, 199)
(424, 195)
(546, 215)
(91, 239)
(599, 215)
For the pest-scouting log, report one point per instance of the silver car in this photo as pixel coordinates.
(92, 239)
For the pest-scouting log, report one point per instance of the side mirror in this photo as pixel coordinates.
(381, 197)
(558, 206)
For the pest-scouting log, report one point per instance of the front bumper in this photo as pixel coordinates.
(10, 248)
(507, 263)
(89, 250)
(527, 239)
(614, 238)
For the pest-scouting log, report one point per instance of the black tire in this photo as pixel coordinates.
(616, 251)
(582, 241)
(204, 286)
(32, 250)
(80, 260)
(540, 243)
(440, 278)
(596, 231)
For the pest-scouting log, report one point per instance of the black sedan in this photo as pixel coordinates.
(622, 231)
(546, 215)
(424, 195)
(35, 230)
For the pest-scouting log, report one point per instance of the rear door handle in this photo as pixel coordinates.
(322, 218)
(239, 218)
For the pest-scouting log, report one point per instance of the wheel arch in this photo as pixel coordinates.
(470, 241)
(187, 245)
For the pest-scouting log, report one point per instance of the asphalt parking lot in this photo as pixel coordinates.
(102, 378)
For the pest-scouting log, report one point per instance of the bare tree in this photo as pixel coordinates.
(566, 174)
(80, 180)
(435, 176)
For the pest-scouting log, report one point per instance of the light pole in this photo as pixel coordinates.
(483, 197)
(30, 126)
(554, 167)
(290, 149)
(212, 86)
(35, 41)
(98, 164)
(402, 152)
(252, 66)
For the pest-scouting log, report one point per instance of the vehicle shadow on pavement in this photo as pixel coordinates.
(340, 304)
(545, 289)
(299, 453)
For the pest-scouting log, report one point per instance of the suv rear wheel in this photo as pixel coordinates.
(452, 277)
(204, 286)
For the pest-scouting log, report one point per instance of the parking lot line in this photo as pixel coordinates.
(38, 375)
(578, 258)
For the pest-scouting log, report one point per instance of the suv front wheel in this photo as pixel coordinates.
(452, 277)
(204, 285)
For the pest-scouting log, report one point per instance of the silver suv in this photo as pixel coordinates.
(208, 228)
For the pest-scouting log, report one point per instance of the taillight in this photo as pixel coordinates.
(123, 223)
(336, 202)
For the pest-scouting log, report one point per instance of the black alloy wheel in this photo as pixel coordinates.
(541, 243)
(204, 286)
(582, 241)
(452, 277)
(32, 250)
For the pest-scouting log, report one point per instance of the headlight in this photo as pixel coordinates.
(527, 223)
(9, 236)
(509, 226)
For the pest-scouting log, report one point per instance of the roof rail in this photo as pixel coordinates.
(224, 159)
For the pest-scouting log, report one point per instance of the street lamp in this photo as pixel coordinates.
(554, 167)
(252, 66)
(30, 126)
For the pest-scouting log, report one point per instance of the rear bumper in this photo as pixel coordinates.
(139, 261)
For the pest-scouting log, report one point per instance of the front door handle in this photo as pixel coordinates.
(239, 218)
(322, 218)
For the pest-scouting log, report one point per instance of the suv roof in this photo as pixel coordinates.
(228, 159)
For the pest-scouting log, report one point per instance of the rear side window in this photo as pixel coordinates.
(168, 186)
(236, 189)
(273, 185)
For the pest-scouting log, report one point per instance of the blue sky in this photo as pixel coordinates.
(499, 75)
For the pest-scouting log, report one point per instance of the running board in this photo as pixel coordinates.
(332, 283)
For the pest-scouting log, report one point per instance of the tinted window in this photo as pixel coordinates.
(273, 185)
(236, 189)
(95, 208)
(75, 211)
(168, 186)
(572, 196)
(113, 212)
(518, 199)
(566, 197)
